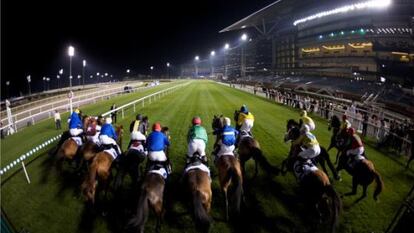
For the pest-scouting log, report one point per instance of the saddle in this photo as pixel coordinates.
(158, 167)
(303, 168)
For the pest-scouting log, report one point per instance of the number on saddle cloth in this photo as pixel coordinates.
(158, 168)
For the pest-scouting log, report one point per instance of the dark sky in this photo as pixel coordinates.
(110, 35)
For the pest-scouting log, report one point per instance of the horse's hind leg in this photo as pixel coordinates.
(256, 169)
(227, 205)
(364, 193)
(332, 167)
(354, 188)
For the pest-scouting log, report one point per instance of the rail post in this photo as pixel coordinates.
(25, 173)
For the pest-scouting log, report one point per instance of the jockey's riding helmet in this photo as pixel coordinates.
(303, 113)
(196, 120)
(244, 109)
(227, 121)
(156, 127)
(77, 110)
(139, 117)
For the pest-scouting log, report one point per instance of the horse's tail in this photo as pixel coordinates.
(237, 181)
(258, 156)
(138, 221)
(336, 205)
(380, 184)
(202, 219)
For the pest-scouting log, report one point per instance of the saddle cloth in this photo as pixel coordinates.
(199, 166)
(139, 148)
(160, 171)
(112, 152)
(78, 140)
(302, 169)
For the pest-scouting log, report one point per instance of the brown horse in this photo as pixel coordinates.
(151, 195)
(230, 173)
(99, 172)
(199, 185)
(318, 192)
(363, 173)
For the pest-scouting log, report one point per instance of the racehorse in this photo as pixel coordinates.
(89, 149)
(99, 172)
(318, 190)
(151, 195)
(363, 173)
(248, 148)
(229, 170)
(199, 185)
(336, 141)
(293, 133)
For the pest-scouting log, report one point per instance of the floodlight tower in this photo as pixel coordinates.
(196, 59)
(212, 55)
(226, 48)
(243, 39)
(71, 53)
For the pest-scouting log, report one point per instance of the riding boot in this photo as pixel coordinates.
(168, 166)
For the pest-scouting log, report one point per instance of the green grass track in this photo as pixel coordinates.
(52, 202)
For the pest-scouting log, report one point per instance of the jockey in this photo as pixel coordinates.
(157, 143)
(345, 125)
(228, 139)
(108, 136)
(93, 130)
(245, 120)
(355, 145)
(307, 141)
(138, 141)
(134, 126)
(75, 124)
(306, 120)
(197, 139)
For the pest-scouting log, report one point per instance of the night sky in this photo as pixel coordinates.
(111, 35)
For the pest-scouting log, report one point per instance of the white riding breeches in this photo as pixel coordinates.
(356, 151)
(105, 140)
(311, 126)
(75, 132)
(247, 125)
(157, 156)
(310, 153)
(136, 135)
(225, 150)
(196, 145)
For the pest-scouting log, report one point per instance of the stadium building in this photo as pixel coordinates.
(365, 39)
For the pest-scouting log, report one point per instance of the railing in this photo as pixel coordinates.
(149, 98)
(64, 105)
(373, 130)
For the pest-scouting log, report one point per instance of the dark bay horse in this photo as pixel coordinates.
(249, 148)
(293, 133)
(363, 173)
(199, 185)
(229, 171)
(99, 172)
(318, 191)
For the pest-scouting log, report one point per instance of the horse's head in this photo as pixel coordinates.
(236, 115)
(292, 134)
(290, 124)
(166, 131)
(218, 123)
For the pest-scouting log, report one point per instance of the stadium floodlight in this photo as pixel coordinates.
(244, 37)
(29, 80)
(345, 9)
(213, 53)
(151, 67)
(106, 74)
(128, 70)
(97, 74)
(226, 46)
(84, 63)
(168, 64)
(61, 71)
(71, 53)
(196, 58)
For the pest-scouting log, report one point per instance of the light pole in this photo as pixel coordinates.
(242, 60)
(29, 80)
(47, 82)
(71, 53)
(196, 59)
(226, 48)
(97, 77)
(44, 84)
(58, 76)
(212, 54)
(7, 89)
(151, 69)
(79, 82)
(83, 72)
(168, 70)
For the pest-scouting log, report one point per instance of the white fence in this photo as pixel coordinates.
(373, 129)
(144, 100)
(29, 117)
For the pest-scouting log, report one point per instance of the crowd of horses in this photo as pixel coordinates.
(320, 195)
